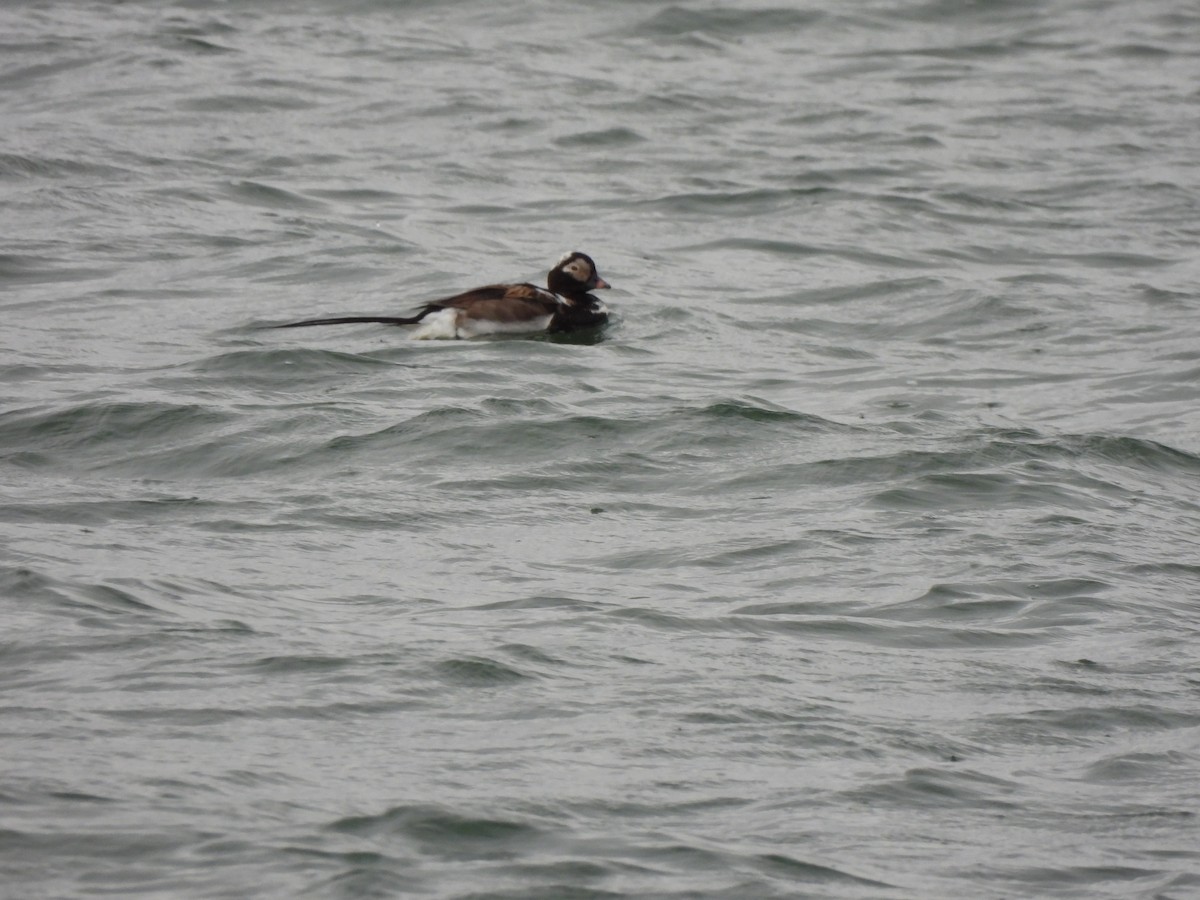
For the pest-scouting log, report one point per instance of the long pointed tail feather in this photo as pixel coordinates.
(355, 320)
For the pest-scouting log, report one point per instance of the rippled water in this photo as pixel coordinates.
(859, 557)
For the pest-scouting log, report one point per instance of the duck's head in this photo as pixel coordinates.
(575, 274)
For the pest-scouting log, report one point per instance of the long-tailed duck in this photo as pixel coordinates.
(506, 308)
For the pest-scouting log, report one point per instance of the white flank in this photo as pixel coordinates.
(440, 325)
(445, 325)
(477, 327)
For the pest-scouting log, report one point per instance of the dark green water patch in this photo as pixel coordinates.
(98, 428)
(440, 829)
(929, 787)
(478, 671)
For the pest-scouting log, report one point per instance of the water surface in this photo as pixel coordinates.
(859, 557)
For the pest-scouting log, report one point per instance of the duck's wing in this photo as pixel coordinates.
(503, 302)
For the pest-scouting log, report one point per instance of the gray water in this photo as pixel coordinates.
(859, 557)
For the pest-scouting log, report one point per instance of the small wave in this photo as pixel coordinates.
(941, 12)
(940, 788)
(754, 245)
(25, 269)
(254, 193)
(1077, 725)
(609, 137)
(679, 21)
(250, 104)
(478, 671)
(292, 366)
(749, 202)
(993, 466)
(16, 78)
(536, 434)
(193, 43)
(438, 826)
(15, 165)
(83, 602)
(97, 427)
